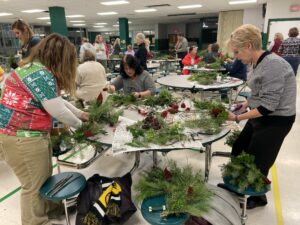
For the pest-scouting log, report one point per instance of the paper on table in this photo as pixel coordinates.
(122, 136)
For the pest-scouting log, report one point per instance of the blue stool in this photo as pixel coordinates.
(245, 194)
(154, 217)
(62, 186)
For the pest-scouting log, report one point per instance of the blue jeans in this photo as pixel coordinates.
(293, 61)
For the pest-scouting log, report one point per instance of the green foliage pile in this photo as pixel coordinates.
(163, 98)
(213, 115)
(153, 129)
(122, 100)
(204, 77)
(230, 139)
(184, 190)
(104, 113)
(243, 173)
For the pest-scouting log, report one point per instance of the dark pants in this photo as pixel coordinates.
(181, 55)
(293, 61)
(262, 140)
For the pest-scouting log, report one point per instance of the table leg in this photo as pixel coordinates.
(154, 159)
(207, 161)
(136, 162)
(230, 97)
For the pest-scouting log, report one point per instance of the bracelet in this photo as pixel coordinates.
(237, 119)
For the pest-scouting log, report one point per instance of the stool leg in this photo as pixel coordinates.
(244, 216)
(66, 211)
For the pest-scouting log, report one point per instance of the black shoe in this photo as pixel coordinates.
(223, 186)
(256, 201)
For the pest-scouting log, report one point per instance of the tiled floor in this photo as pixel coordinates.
(287, 165)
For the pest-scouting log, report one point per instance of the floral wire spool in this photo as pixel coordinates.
(154, 216)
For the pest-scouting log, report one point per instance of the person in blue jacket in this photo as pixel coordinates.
(236, 69)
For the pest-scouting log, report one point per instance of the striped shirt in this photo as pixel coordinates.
(290, 47)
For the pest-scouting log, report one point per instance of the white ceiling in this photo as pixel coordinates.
(90, 8)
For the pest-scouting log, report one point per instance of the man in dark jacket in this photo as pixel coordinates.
(141, 53)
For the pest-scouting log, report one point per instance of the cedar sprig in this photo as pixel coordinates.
(230, 139)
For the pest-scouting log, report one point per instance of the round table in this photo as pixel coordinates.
(182, 82)
(206, 141)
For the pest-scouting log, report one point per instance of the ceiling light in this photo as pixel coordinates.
(48, 22)
(33, 11)
(128, 22)
(44, 18)
(77, 21)
(145, 10)
(114, 2)
(98, 26)
(75, 16)
(5, 14)
(79, 24)
(107, 13)
(100, 23)
(189, 6)
(115, 25)
(241, 2)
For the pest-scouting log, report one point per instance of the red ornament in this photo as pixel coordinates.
(88, 133)
(100, 99)
(267, 181)
(173, 111)
(188, 109)
(167, 174)
(190, 190)
(183, 105)
(215, 112)
(164, 114)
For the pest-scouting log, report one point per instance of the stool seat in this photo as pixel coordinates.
(248, 191)
(154, 217)
(75, 184)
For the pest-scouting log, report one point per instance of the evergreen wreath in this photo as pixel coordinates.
(184, 190)
(243, 173)
(153, 129)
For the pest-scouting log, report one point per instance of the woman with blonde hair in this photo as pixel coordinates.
(275, 44)
(31, 97)
(117, 47)
(26, 36)
(272, 102)
(101, 51)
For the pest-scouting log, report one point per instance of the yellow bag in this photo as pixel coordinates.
(1, 71)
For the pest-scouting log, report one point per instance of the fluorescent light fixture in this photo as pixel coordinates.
(107, 13)
(241, 2)
(114, 2)
(75, 16)
(115, 25)
(189, 6)
(99, 26)
(48, 22)
(100, 23)
(77, 21)
(44, 18)
(33, 11)
(5, 14)
(145, 10)
(128, 22)
(78, 24)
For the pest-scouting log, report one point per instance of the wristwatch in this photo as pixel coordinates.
(237, 119)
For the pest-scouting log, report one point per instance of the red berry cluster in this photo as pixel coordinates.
(88, 133)
(173, 108)
(215, 112)
(151, 122)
